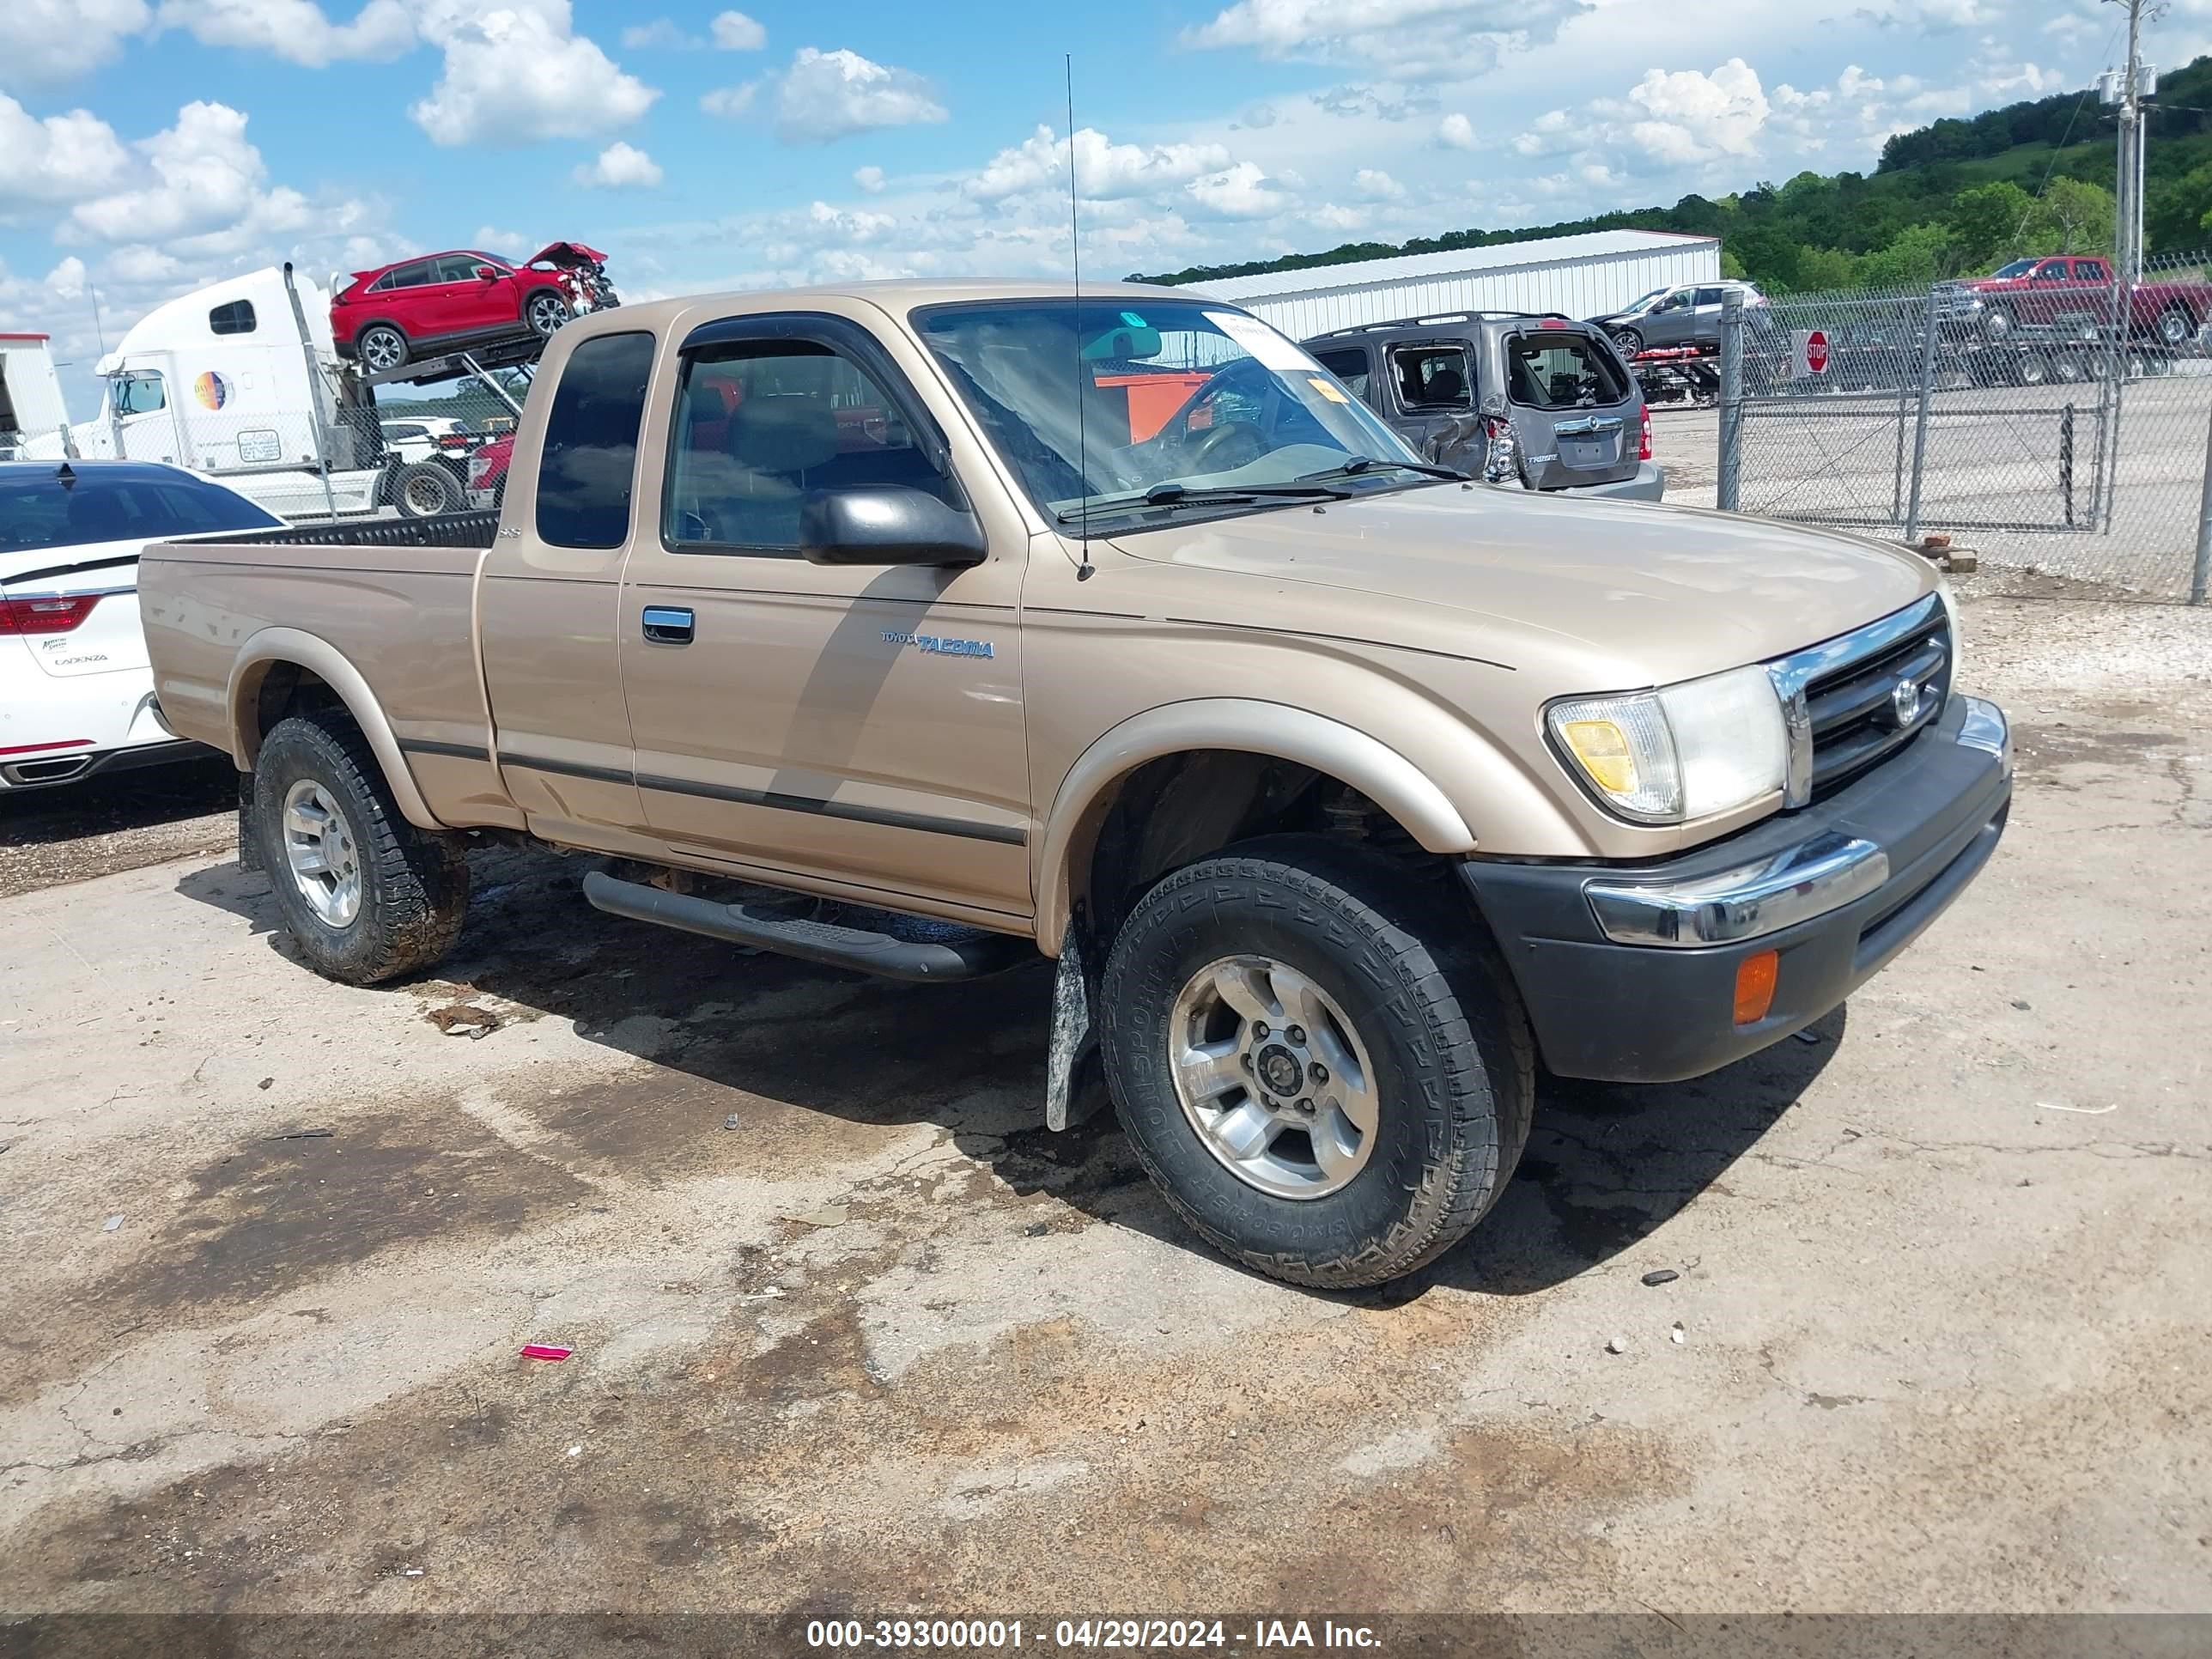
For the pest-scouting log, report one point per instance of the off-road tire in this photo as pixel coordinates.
(415, 886)
(1443, 1024)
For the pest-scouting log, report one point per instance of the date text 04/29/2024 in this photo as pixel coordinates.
(853, 1635)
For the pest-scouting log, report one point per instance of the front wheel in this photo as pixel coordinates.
(426, 489)
(1327, 1077)
(1997, 323)
(2175, 330)
(1630, 342)
(364, 893)
(546, 314)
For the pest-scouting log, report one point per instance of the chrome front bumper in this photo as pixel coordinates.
(1800, 883)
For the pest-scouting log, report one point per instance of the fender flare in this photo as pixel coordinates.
(1247, 724)
(320, 657)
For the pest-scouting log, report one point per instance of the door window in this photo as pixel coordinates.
(408, 276)
(586, 473)
(1433, 377)
(761, 424)
(139, 393)
(1562, 371)
(1349, 367)
(1709, 296)
(457, 268)
(2091, 271)
(1679, 300)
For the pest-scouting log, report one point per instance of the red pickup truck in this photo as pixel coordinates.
(2062, 291)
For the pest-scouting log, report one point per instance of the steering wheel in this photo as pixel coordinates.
(1227, 446)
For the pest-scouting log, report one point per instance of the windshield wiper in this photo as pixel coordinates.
(1359, 464)
(1172, 496)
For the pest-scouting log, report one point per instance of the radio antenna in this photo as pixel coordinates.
(1075, 253)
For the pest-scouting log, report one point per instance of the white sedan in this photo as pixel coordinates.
(77, 697)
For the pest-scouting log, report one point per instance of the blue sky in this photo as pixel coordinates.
(148, 146)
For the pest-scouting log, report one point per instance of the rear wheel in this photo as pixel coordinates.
(2034, 368)
(381, 347)
(364, 893)
(1324, 1074)
(426, 489)
(2175, 328)
(545, 313)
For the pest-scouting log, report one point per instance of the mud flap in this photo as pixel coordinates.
(249, 842)
(1072, 1034)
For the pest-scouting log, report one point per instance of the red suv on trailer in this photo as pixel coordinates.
(442, 302)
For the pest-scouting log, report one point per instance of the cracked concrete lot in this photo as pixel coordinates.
(1939, 1338)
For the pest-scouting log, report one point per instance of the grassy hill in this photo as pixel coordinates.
(1957, 196)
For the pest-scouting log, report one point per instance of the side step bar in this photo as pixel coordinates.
(962, 955)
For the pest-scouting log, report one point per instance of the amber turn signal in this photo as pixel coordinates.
(1754, 986)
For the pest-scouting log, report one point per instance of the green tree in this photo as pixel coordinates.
(1988, 224)
(2072, 216)
(2178, 214)
(1821, 268)
(1918, 256)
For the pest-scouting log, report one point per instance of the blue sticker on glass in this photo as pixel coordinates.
(1132, 319)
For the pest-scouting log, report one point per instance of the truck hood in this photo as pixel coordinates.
(1647, 594)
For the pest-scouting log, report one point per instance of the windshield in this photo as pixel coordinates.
(1110, 407)
(2017, 268)
(38, 510)
(1643, 301)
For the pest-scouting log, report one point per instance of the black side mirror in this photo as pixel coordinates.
(886, 523)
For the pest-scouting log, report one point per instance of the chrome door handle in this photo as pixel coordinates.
(668, 624)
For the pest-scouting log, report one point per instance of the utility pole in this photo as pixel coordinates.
(2128, 227)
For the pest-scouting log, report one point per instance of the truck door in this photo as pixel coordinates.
(547, 603)
(862, 724)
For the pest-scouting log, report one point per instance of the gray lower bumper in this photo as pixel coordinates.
(1650, 484)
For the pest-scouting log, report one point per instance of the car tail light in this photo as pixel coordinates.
(454, 440)
(1643, 438)
(53, 615)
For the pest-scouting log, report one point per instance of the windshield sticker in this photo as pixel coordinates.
(1273, 350)
(1327, 389)
(1132, 319)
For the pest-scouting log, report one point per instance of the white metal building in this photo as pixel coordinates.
(30, 391)
(1583, 275)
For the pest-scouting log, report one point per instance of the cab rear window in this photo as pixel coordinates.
(1563, 371)
(40, 511)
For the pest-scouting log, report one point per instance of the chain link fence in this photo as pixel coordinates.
(2054, 420)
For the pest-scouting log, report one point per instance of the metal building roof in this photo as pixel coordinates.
(1469, 261)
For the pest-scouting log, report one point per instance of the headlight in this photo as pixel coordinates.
(1681, 752)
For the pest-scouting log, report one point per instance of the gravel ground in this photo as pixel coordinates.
(1940, 1339)
(121, 821)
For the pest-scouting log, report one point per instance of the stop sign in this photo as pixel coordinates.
(1816, 351)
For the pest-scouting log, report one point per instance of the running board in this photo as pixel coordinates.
(956, 953)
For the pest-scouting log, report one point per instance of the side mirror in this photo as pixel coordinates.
(488, 273)
(886, 523)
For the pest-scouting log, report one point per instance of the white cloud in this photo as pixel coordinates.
(1377, 185)
(297, 30)
(1329, 216)
(1455, 131)
(620, 166)
(869, 179)
(1413, 39)
(1694, 116)
(661, 34)
(1242, 192)
(729, 102)
(827, 95)
(59, 159)
(735, 32)
(1104, 171)
(43, 42)
(516, 74)
(67, 279)
(1933, 17)
(205, 180)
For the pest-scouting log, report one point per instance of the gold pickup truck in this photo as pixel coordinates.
(921, 628)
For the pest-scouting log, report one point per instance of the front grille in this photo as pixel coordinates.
(1852, 706)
